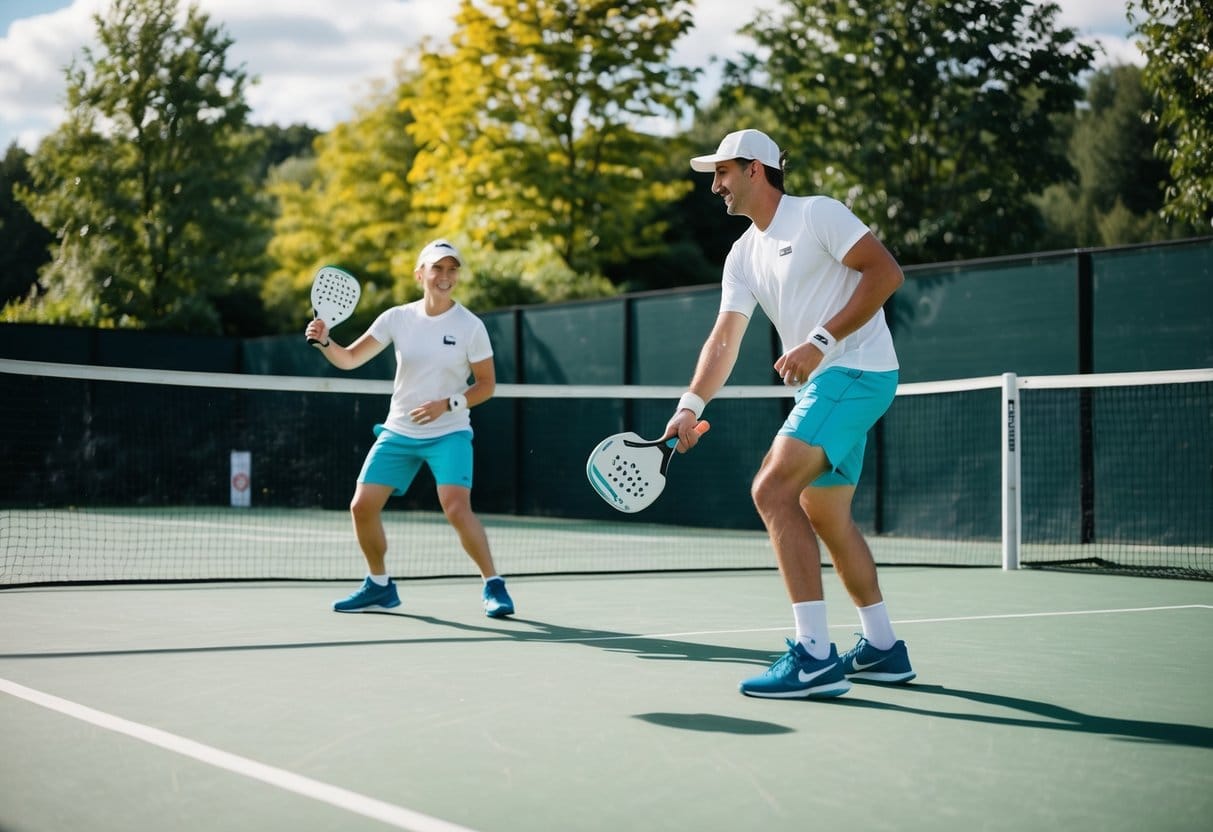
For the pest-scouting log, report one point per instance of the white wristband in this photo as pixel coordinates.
(691, 402)
(821, 338)
(457, 402)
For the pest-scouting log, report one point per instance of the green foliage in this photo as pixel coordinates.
(933, 120)
(284, 144)
(1117, 196)
(528, 126)
(148, 185)
(1176, 37)
(23, 241)
(537, 274)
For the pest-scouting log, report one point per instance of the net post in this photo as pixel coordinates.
(1011, 497)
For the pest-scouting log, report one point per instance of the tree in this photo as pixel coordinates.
(149, 184)
(351, 210)
(23, 241)
(1118, 194)
(528, 126)
(1176, 38)
(283, 144)
(933, 120)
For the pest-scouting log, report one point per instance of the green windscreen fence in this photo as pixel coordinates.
(984, 319)
(1153, 308)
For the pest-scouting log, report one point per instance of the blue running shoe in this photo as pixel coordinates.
(797, 675)
(870, 664)
(369, 596)
(497, 601)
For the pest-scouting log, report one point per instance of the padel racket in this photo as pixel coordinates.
(335, 293)
(629, 472)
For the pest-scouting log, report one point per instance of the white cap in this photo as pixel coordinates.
(744, 144)
(436, 250)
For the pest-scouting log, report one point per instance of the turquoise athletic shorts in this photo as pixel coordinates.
(395, 460)
(835, 411)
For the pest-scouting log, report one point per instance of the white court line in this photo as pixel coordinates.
(902, 621)
(369, 807)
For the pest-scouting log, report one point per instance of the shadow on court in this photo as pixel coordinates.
(715, 723)
(643, 647)
(1051, 717)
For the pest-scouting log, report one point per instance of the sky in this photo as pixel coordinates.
(317, 59)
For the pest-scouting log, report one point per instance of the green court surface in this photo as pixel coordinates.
(1043, 701)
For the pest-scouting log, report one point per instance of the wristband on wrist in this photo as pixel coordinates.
(821, 338)
(691, 402)
(457, 402)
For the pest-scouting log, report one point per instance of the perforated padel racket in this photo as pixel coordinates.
(335, 293)
(629, 472)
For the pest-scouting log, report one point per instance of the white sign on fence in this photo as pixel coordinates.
(242, 478)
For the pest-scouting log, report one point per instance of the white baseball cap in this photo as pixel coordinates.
(743, 144)
(436, 250)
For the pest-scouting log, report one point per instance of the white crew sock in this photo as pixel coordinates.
(812, 628)
(877, 628)
(381, 580)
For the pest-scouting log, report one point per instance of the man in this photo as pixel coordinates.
(439, 344)
(821, 277)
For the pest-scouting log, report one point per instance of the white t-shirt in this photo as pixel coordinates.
(433, 361)
(793, 270)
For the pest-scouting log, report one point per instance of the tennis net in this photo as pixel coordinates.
(124, 475)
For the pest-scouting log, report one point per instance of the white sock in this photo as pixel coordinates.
(381, 580)
(877, 628)
(812, 628)
(494, 578)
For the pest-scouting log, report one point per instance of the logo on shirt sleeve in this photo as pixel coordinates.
(449, 340)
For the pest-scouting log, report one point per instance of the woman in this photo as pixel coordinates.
(439, 343)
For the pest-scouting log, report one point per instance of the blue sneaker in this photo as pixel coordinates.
(369, 596)
(870, 664)
(497, 601)
(797, 675)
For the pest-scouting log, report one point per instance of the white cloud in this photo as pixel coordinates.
(314, 60)
(1099, 16)
(1116, 51)
(33, 58)
(314, 67)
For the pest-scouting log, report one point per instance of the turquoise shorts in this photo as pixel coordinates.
(835, 411)
(395, 460)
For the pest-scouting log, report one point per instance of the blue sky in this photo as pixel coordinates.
(11, 10)
(316, 59)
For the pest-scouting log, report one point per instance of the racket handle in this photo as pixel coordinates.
(700, 428)
(313, 341)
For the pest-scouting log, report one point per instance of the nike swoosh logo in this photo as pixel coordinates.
(808, 677)
(860, 666)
